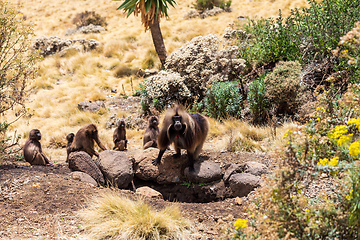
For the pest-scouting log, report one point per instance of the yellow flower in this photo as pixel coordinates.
(354, 121)
(348, 197)
(338, 132)
(334, 161)
(287, 134)
(354, 149)
(320, 109)
(322, 161)
(318, 119)
(240, 223)
(307, 210)
(344, 139)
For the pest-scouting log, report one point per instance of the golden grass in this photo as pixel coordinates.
(63, 82)
(110, 216)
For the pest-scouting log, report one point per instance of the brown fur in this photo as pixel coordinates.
(151, 133)
(119, 136)
(69, 139)
(32, 150)
(194, 129)
(84, 141)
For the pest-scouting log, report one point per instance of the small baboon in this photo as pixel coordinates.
(151, 133)
(186, 131)
(32, 150)
(119, 136)
(69, 139)
(84, 141)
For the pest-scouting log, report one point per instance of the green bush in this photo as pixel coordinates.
(224, 100)
(202, 5)
(89, 17)
(258, 102)
(305, 35)
(283, 89)
(16, 70)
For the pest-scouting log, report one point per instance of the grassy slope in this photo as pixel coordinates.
(63, 82)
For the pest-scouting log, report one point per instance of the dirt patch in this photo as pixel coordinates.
(40, 202)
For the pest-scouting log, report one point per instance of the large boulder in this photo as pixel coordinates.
(82, 161)
(117, 168)
(241, 184)
(168, 171)
(204, 172)
(254, 168)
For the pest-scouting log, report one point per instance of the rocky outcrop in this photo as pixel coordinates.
(91, 106)
(51, 45)
(85, 30)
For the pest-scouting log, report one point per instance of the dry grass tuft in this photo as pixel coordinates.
(117, 217)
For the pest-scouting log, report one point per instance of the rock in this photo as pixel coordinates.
(91, 106)
(241, 184)
(149, 192)
(168, 171)
(211, 12)
(204, 172)
(81, 161)
(83, 177)
(116, 167)
(85, 29)
(51, 45)
(192, 13)
(254, 168)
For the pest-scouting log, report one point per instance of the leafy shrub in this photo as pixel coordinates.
(89, 17)
(324, 154)
(258, 102)
(224, 100)
(202, 5)
(306, 34)
(16, 70)
(283, 89)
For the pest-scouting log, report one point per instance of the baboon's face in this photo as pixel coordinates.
(154, 121)
(122, 124)
(177, 123)
(35, 134)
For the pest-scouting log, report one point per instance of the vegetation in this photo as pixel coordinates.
(223, 100)
(89, 17)
(202, 5)
(112, 216)
(16, 70)
(259, 105)
(151, 12)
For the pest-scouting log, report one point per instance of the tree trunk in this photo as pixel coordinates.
(158, 41)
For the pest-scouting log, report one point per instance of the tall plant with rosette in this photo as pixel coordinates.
(151, 11)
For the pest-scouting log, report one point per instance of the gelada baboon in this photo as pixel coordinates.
(151, 133)
(119, 136)
(186, 131)
(32, 150)
(69, 139)
(84, 141)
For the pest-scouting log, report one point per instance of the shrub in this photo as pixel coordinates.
(224, 100)
(16, 70)
(202, 5)
(283, 89)
(307, 34)
(89, 17)
(315, 193)
(258, 102)
(116, 217)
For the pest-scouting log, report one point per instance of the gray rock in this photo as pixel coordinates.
(83, 177)
(241, 184)
(168, 171)
(254, 168)
(204, 172)
(81, 161)
(116, 167)
(91, 106)
(85, 30)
